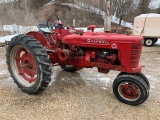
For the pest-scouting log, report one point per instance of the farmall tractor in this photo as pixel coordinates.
(31, 56)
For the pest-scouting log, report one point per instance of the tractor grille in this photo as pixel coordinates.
(135, 55)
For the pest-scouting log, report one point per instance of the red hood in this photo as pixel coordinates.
(100, 39)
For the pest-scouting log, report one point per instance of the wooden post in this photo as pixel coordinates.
(2, 29)
(107, 18)
(74, 22)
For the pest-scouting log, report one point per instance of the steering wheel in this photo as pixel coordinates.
(51, 26)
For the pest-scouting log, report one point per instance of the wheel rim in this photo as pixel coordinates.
(129, 91)
(23, 66)
(149, 42)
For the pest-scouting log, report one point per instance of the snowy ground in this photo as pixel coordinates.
(6, 38)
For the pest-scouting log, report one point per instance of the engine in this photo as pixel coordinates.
(93, 55)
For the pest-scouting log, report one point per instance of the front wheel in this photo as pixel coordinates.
(130, 89)
(144, 78)
(141, 75)
(28, 64)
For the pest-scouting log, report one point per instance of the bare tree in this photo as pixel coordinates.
(16, 14)
(35, 4)
(143, 6)
(121, 8)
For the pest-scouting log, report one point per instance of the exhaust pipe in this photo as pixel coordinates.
(63, 55)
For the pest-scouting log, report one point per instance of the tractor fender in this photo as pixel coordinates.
(40, 37)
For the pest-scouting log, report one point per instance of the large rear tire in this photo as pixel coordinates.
(28, 64)
(130, 89)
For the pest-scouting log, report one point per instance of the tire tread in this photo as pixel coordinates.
(42, 59)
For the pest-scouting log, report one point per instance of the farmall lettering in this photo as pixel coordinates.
(100, 41)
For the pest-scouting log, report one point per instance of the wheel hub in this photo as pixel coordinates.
(26, 65)
(129, 91)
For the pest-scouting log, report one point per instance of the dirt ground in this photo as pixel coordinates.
(84, 95)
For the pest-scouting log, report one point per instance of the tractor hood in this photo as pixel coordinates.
(100, 40)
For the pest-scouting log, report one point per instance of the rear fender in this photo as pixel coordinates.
(40, 37)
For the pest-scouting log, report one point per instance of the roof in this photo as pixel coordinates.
(149, 15)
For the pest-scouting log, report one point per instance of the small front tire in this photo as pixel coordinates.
(130, 89)
(144, 78)
(141, 75)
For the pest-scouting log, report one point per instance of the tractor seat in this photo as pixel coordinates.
(44, 27)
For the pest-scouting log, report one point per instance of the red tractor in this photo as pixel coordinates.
(30, 58)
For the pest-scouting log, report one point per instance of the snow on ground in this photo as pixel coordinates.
(5, 79)
(55, 71)
(91, 76)
(15, 30)
(123, 23)
(4, 72)
(8, 82)
(6, 38)
(72, 5)
(50, 3)
(19, 29)
(2, 62)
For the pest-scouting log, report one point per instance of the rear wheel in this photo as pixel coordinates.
(28, 64)
(149, 42)
(130, 89)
